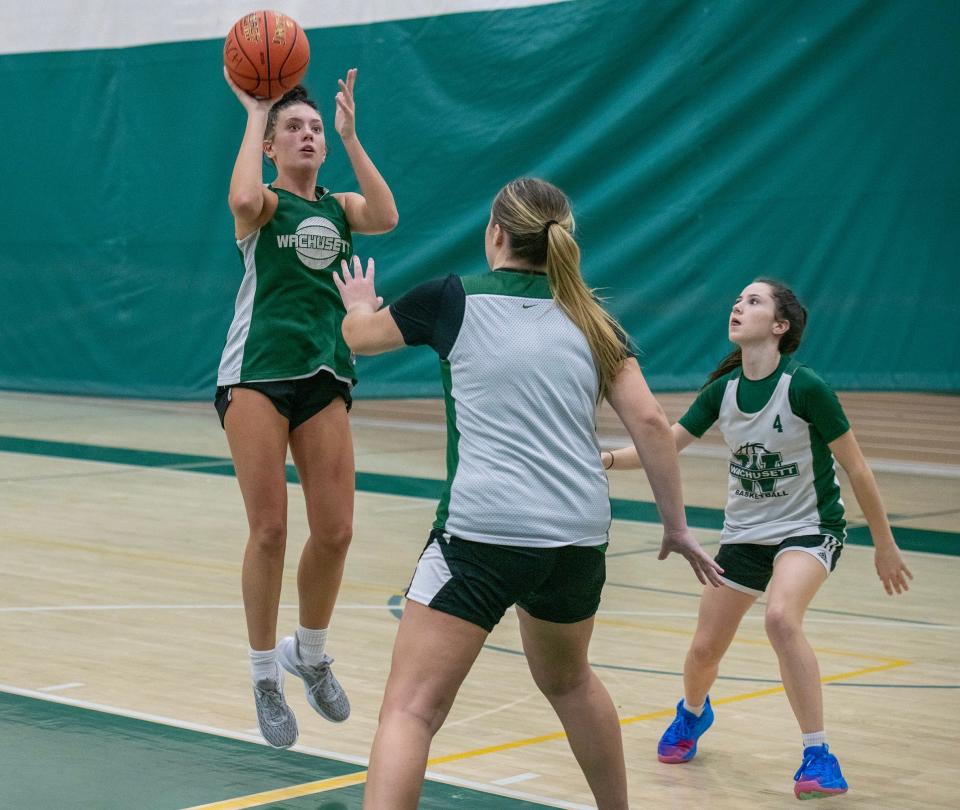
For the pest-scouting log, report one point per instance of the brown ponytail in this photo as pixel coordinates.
(538, 219)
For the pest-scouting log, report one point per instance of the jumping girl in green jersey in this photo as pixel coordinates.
(783, 524)
(285, 379)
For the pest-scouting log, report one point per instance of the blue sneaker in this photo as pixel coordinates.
(819, 776)
(679, 741)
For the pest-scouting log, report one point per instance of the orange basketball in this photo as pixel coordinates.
(266, 53)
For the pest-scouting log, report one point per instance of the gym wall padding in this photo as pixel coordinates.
(703, 144)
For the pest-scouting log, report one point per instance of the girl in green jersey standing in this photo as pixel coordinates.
(783, 523)
(285, 379)
(526, 353)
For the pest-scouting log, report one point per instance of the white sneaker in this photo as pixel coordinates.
(324, 692)
(277, 723)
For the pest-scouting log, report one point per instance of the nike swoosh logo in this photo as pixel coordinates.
(527, 306)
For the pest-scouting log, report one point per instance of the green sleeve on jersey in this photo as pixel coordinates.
(815, 402)
(705, 408)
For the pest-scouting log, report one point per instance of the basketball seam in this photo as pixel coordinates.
(280, 74)
(246, 56)
(266, 43)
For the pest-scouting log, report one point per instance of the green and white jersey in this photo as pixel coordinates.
(287, 317)
(783, 479)
(521, 388)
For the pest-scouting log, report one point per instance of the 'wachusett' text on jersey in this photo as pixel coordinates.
(521, 387)
(287, 317)
(782, 476)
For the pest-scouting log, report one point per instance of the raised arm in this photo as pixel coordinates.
(891, 568)
(655, 446)
(367, 329)
(373, 210)
(251, 202)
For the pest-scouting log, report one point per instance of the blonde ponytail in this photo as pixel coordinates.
(538, 219)
(581, 306)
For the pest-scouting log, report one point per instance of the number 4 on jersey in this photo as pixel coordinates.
(776, 424)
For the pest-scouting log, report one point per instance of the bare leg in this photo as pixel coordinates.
(557, 656)
(797, 577)
(257, 435)
(721, 610)
(432, 655)
(323, 452)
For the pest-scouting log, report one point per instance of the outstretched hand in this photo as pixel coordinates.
(684, 543)
(357, 290)
(892, 570)
(345, 120)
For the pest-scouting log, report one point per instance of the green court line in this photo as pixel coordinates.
(56, 755)
(699, 517)
(624, 668)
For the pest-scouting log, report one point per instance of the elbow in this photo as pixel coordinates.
(388, 221)
(859, 475)
(245, 206)
(654, 419)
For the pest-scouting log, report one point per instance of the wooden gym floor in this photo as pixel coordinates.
(123, 680)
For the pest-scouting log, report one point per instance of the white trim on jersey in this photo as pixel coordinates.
(231, 362)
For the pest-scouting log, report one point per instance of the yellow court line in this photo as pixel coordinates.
(292, 792)
(310, 788)
(559, 735)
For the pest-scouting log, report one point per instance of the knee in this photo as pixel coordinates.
(269, 536)
(429, 716)
(781, 626)
(562, 681)
(332, 541)
(705, 652)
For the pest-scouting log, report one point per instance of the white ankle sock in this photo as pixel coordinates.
(310, 644)
(816, 738)
(697, 710)
(263, 665)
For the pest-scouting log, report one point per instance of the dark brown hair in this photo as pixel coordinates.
(296, 95)
(786, 308)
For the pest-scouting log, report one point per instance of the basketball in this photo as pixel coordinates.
(266, 53)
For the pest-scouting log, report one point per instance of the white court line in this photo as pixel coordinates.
(490, 711)
(483, 787)
(512, 780)
(648, 614)
(58, 687)
(70, 608)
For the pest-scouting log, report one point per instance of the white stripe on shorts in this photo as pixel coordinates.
(823, 553)
(431, 575)
(738, 587)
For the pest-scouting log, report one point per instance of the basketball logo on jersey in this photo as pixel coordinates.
(317, 242)
(759, 470)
